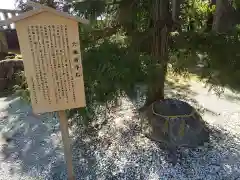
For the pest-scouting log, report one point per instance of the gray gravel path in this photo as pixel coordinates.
(119, 150)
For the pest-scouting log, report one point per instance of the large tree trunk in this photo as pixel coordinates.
(160, 14)
(176, 10)
(225, 16)
(210, 16)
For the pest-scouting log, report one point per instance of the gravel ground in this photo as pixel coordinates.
(119, 150)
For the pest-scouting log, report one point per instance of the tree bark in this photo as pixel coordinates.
(160, 12)
(176, 10)
(209, 23)
(218, 15)
(224, 17)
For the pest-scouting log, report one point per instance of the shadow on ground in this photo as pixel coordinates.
(216, 78)
(32, 143)
(183, 92)
(117, 151)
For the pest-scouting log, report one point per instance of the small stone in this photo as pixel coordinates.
(214, 168)
(227, 168)
(3, 140)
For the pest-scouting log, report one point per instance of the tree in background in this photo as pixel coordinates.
(226, 16)
(131, 42)
(151, 20)
(59, 4)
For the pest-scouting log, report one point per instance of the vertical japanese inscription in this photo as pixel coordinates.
(53, 67)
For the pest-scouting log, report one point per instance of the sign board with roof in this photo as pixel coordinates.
(49, 43)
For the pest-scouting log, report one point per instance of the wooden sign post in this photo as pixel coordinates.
(66, 144)
(49, 43)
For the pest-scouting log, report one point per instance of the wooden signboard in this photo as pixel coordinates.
(49, 43)
(52, 60)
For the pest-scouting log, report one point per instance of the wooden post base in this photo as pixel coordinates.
(66, 143)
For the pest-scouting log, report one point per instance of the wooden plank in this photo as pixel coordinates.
(40, 8)
(6, 17)
(59, 13)
(21, 16)
(10, 11)
(52, 60)
(67, 145)
(3, 43)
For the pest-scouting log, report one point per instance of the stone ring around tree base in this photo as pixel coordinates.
(176, 123)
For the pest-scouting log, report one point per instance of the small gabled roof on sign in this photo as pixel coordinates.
(39, 9)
